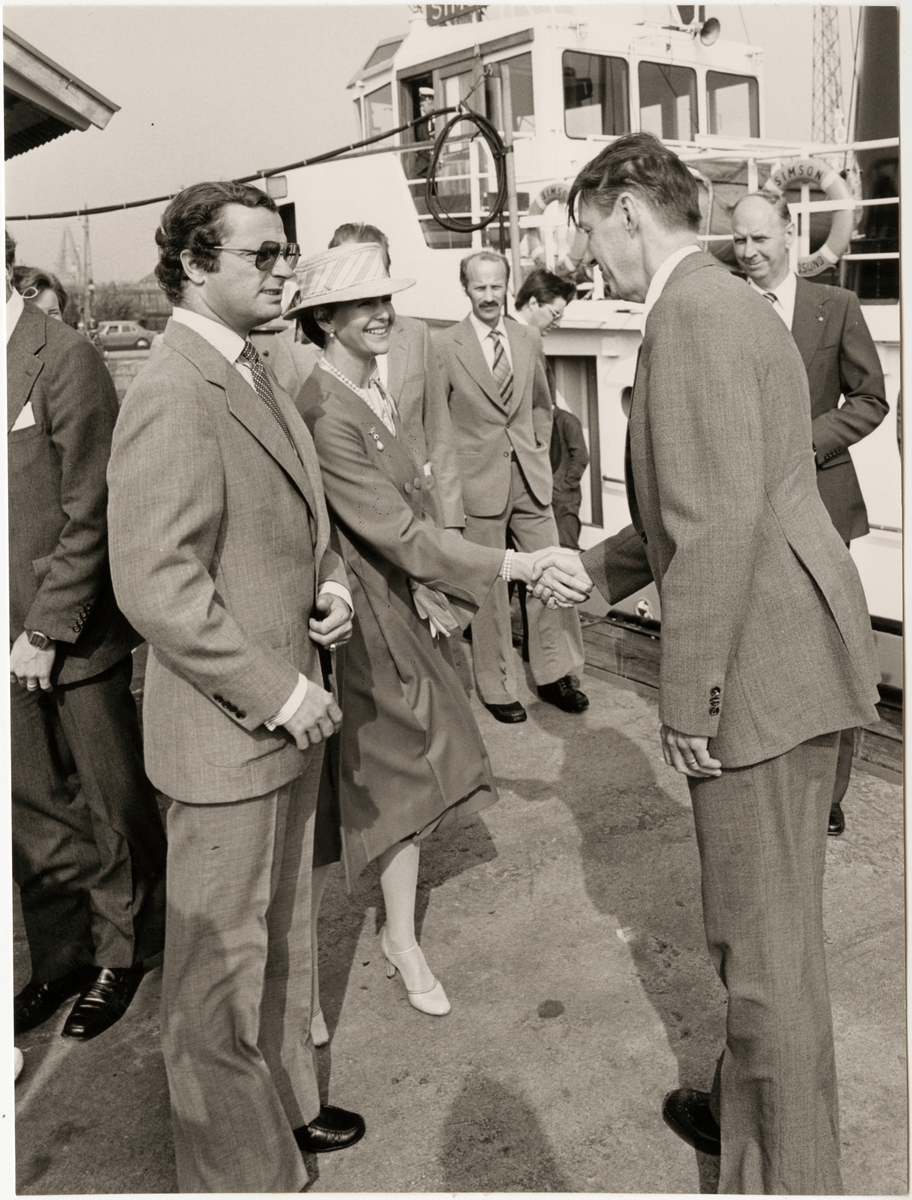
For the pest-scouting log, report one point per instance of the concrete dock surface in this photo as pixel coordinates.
(565, 924)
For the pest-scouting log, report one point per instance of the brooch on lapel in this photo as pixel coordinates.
(376, 436)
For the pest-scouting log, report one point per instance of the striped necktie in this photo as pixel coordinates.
(262, 386)
(771, 296)
(503, 375)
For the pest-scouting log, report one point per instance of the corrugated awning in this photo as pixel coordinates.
(42, 100)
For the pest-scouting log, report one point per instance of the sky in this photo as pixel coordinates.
(222, 91)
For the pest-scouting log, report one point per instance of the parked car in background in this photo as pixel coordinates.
(124, 335)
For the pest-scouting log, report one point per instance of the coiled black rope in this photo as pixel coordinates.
(498, 153)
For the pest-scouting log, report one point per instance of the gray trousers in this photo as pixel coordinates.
(236, 988)
(762, 832)
(88, 840)
(555, 638)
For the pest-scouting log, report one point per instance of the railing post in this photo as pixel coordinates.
(510, 164)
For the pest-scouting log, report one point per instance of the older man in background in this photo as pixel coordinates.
(845, 379)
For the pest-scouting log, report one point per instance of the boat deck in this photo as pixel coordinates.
(565, 924)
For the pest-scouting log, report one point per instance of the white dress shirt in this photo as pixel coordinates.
(487, 342)
(230, 344)
(657, 284)
(784, 292)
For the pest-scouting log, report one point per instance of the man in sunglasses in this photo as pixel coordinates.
(219, 555)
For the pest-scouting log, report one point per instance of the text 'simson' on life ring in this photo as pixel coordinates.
(820, 175)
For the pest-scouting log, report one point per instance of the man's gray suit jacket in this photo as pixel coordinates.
(219, 544)
(488, 432)
(766, 641)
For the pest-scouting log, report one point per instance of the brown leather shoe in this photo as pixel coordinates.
(686, 1111)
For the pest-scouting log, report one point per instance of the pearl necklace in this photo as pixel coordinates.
(377, 401)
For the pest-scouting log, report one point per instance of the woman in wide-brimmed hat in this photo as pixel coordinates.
(410, 758)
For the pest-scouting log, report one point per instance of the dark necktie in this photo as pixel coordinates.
(503, 375)
(771, 296)
(263, 389)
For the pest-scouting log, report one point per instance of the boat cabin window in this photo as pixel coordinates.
(733, 103)
(596, 95)
(520, 94)
(378, 111)
(668, 101)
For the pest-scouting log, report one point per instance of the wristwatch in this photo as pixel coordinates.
(39, 640)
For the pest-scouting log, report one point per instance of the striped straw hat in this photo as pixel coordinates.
(353, 271)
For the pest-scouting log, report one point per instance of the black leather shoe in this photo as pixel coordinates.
(333, 1129)
(837, 820)
(509, 714)
(686, 1111)
(103, 1002)
(39, 1001)
(564, 695)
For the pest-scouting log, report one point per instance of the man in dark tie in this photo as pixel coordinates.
(220, 557)
(767, 653)
(500, 406)
(88, 841)
(848, 394)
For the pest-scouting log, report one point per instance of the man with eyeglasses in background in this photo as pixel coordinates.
(219, 555)
(541, 302)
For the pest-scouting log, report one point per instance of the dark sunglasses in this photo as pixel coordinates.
(265, 258)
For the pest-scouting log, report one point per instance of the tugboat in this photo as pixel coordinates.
(555, 88)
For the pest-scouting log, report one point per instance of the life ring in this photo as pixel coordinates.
(550, 193)
(820, 175)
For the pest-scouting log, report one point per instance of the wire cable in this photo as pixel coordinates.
(305, 162)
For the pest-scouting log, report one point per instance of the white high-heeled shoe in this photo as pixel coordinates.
(432, 1000)
(318, 1032)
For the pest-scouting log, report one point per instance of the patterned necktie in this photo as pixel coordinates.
(771, 296)
(261, 384)
(503, 375)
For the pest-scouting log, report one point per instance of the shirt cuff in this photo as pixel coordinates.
(337, 589)
(291, 705)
